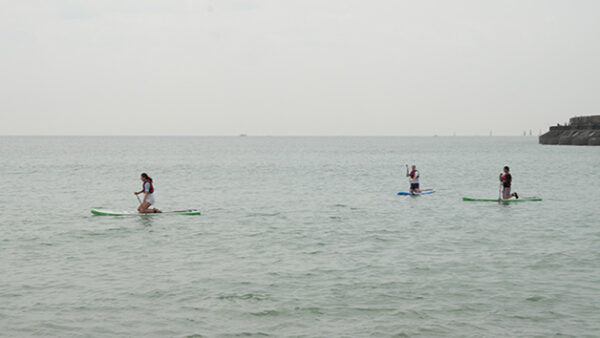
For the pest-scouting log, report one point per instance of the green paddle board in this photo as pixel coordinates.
(103, 212)
(524, 199)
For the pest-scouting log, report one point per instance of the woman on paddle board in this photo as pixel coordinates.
(148, 190)
(505, 181)
(414, 179)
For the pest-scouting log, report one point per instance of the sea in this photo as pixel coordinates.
(298, 237)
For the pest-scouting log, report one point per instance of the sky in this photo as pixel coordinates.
(286, 67)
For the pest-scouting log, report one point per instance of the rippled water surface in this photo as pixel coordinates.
(298, 237)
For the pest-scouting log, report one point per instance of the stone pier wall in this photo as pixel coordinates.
(581, 130)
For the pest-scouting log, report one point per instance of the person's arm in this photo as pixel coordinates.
(503, 180)
(146, 190)
(141, 191)
(407, 171)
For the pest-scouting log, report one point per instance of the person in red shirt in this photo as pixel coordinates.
(505, 181)
(414, 179)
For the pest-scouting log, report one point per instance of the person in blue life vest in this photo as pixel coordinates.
(414, 179)
(505, 182)
(148, 190)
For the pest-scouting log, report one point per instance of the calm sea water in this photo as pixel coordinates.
(298, 237)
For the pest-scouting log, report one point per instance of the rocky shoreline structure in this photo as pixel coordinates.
(581, 131)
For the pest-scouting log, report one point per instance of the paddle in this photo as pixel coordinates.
(138, 197)
(407, 175)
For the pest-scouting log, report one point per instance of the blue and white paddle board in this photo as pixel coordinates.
(425, 192)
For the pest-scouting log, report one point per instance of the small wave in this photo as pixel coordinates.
(249, 334)
(266, 313)
(535, 298)
(158, 294)
(311, 310)
(373, 309)
(248, 296)
(263, 214)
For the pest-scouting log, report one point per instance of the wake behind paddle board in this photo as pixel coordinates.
(524, 199)
(423, 192)
(103, 212)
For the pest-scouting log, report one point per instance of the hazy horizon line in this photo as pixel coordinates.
(257, 135)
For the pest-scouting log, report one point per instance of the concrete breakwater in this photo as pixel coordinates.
(581, 130)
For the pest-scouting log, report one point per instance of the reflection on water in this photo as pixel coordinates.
(145, 220)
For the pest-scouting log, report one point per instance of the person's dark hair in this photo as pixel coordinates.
(505, 167)
(144, 175)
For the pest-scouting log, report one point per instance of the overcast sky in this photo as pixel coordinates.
(325, 67)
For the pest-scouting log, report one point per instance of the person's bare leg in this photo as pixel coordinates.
(143, 209)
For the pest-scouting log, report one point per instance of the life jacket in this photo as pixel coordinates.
(151, 190)
(506, 180)
(413, 174)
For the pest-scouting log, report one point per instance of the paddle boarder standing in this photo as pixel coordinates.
(414, 179)
(148, 190)
(505, 182)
